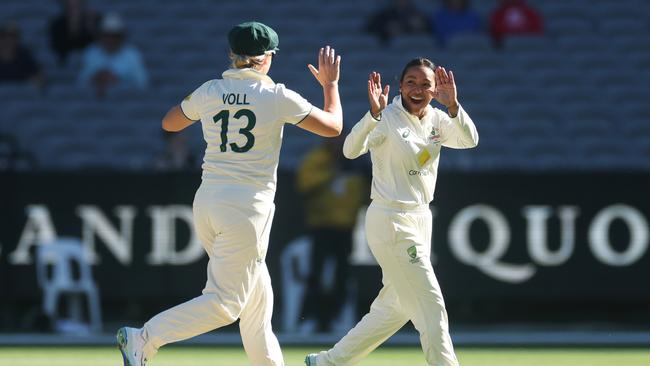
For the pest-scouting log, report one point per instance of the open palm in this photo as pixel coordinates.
(378, 99)
(329, 66)
(445, 92)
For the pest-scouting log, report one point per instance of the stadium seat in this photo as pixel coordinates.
(612, 27)
(542, 59)
(414, 44)
(570, 44)
(616, 9)
(63, 255)
(578, 93)
(561, 27)
(560, 9)
(471, 43)
(527, 44)
(630, 42)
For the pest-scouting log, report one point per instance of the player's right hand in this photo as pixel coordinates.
(329, 65)
(378, 99)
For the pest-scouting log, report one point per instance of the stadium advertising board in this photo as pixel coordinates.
(506, 247)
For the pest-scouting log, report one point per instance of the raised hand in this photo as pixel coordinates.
(329, 65)
(378, 99)
(445, 92)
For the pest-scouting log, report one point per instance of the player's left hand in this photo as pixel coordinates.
(329, 65)
(445, 92)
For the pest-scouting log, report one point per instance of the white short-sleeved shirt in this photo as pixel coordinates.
(405, 150)
(243, 116)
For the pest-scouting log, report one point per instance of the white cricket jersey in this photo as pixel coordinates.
(405, 150)
(242, 116)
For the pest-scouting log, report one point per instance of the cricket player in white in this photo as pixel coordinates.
(404, 139)
(242, 116)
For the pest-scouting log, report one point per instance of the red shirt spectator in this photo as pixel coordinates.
(514, 17)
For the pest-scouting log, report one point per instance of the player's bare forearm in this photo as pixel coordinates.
(332, 104)
(175, 120)
(326, 122)
(322, 123)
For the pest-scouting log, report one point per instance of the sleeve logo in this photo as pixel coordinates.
(413, 253)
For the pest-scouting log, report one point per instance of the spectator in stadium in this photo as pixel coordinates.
(333, 193)
(73, 29)
(111, 62)
(514, 17)
(177, 155)
(399, 17)
(404, 138)
(454, 17)
(17, 64)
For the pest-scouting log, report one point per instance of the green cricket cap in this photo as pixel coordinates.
(252, 39)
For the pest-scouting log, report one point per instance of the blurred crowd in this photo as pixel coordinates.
(108, 59)
(105, 60)
(108, 62)
(453, 17)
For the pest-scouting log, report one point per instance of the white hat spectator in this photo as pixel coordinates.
(112, 23)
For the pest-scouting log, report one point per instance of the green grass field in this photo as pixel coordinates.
(229, 356)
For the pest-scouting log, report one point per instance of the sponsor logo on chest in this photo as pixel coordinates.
(434, 136)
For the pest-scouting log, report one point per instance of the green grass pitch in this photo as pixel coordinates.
(387, 356)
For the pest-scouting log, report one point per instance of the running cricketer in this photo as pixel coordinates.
(242, 115)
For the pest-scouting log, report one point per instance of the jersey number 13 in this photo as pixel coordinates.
(223, 116)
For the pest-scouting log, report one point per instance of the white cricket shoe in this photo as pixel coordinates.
(310, 359)
(130, 343)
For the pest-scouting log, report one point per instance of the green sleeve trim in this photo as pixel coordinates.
(307, 115)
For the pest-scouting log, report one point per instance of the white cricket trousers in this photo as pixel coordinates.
(400, 240)
(234, 231)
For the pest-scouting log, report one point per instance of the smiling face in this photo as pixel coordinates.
(416, 88)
